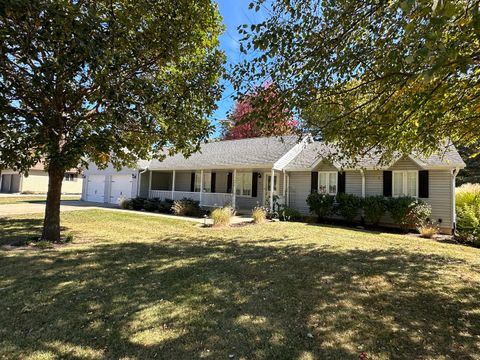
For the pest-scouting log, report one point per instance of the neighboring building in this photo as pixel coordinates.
(239, 172)
(37, 181)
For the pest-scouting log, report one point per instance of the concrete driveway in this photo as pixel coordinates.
(36, 207)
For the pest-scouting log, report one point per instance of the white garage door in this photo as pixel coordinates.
(121, 188)
(96, 188)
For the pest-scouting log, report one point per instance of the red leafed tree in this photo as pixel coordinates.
(244, 120)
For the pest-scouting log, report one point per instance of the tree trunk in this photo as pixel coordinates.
(51, 222)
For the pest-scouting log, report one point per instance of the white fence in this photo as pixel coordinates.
(208, 199)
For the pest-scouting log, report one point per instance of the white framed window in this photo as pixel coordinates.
(328, 182)
(207, 181)
(243, 184)
(405, 183)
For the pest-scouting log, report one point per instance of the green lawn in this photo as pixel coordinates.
(32, 199)
(139, 287)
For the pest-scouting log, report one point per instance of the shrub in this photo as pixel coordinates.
(289, 214)
(151, 204)
(222, 216)
(165, 206)
(125, 204)
(428, 230)
(468, 224)
(348, 206)
(408, 212)
(374, 207)
(259, 215)
(137, 203)
(467, 194)
(187, 207)
(467, 199)
(321, 204)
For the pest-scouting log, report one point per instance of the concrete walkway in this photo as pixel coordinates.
(73, 205)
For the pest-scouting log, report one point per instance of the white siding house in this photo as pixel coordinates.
(239, 173)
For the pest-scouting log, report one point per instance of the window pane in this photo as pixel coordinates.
(207, 182)
(275, 180)
(397, 184)
(322, 183)
(412, 184)
(332, 183)
(247, 184)
(197, 182)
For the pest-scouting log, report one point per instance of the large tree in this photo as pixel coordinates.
(392, 75)
(244, 121)
(111, 81)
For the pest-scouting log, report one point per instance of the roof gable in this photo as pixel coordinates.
(316, 152)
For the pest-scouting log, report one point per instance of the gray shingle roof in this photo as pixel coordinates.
(317, 151)
(254, 153)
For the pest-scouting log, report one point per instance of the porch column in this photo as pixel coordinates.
(284, 187)
(234, 188)
(173, 183)
(201, 186)
(287, 200)
(272, 183)
(149, 184)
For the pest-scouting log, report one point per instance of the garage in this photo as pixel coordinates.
(96, 188)
(121, 187)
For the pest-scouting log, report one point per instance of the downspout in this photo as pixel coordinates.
(454, 206)
(140, 179)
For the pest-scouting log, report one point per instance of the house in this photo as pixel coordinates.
(240, 173)
(37, 181)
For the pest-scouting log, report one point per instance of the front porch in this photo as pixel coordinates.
(243, 189)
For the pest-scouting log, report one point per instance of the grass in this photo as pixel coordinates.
(139, 287)
(7, 200)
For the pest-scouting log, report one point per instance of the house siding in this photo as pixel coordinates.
(300, 183)
(353, 182)
(440, 191)
(37, 182)
(440, 197)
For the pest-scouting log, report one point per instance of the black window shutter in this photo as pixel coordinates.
(314, 183)
(229, 182)
(254, 184)
(423, 184)
(213, 182)
(387, 183)
(192, 182)
(341, 182)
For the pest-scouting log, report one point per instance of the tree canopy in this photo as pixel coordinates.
(243, 121)
(108, 81)
(396, 76)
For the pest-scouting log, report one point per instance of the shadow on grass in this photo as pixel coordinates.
(16, 231)
(184, 298)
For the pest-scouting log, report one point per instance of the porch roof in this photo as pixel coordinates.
(244, 153)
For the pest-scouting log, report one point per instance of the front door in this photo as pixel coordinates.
(266, 187)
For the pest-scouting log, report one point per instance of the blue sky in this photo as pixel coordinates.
(234, 13)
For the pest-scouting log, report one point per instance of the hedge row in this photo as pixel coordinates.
(406, 212)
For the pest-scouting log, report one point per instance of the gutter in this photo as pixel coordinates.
(454, 205)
